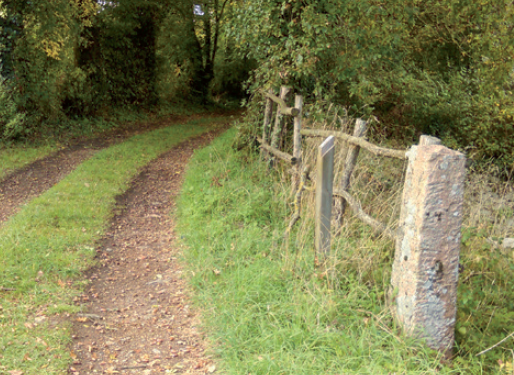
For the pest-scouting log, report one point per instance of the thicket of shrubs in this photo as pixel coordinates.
(439, 67)
(442, 67)
(65, 58)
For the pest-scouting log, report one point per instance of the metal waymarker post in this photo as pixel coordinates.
(324, 191)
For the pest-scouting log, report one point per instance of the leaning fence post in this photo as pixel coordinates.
(277, 129)
(425, 268)
(268, 112)
(297, 141)
(361, 127)
(324, 188)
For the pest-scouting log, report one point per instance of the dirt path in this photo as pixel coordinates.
(31, 181)
(136, 316)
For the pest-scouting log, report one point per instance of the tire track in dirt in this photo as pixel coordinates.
(21, 186)
(33, 180)
(138, 319)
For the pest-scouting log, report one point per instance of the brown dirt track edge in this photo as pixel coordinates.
(137, 317)
(24, 184)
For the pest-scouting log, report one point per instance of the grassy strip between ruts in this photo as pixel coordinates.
(19, 156)
(51, 241)
(267, 311)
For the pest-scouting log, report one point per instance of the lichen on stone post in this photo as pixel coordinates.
(425, 269)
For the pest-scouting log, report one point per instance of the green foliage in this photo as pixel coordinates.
(230, 72)
(39, 41)
(12, 123)
(118, 53)
(195, 59)
(441, 67)
(69, 59)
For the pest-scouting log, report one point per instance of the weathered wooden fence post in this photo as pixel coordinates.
(268, 112)
(324, 189)
(361, 127)
(297, 141)
(277, 129)
(425, 269)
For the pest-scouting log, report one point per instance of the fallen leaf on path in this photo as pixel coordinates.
(211, 368)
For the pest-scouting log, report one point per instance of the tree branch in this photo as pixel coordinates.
(379, 151)
(284, 109)
(356, 207)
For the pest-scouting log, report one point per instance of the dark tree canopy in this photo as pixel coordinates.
(80, 57)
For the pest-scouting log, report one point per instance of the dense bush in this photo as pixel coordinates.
(438, 67)
(39, 41)
(82, 57)
(12, 123)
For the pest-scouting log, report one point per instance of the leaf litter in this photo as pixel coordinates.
(137, 317)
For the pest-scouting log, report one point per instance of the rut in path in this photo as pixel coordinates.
(136, 316)
(34, 179)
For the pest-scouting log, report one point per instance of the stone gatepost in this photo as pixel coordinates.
(426, 264)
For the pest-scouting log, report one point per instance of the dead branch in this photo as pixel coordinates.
(284, 109)
(495, 345)
(267, 121)
(356, 207)
(361, 127)
(374, 149)
(276, 152)
(298, 200)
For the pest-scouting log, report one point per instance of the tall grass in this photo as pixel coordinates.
(268, 310)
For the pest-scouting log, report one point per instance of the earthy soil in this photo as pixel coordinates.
(29, 182)
(137, 318)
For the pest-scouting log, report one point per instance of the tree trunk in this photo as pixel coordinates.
(199, 91)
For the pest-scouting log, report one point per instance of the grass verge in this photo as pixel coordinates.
(267, 309)
(51, 241)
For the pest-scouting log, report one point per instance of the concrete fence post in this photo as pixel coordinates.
(324, 194)
(426, 264)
